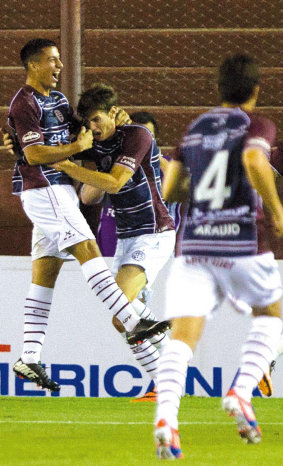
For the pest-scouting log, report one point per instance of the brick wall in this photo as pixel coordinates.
(160, 55)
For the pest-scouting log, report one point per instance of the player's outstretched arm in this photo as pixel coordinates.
(110, 182)
(260, 175)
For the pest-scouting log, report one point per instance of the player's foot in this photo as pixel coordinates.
(244, 415)
(265, 385)
(149, 396)
(146, 328)
(167, 442)
(35, 373)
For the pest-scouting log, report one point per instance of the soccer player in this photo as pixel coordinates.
(106, 233)
(128, 168)
(41, 120)
(222, 173)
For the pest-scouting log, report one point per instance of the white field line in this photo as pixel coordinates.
(185, 423)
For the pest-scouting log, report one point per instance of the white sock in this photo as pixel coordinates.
(160, 341)
(102, 282)
(258, 352)
(142, 310)
(171, 377)
(37, 308)
(147, 356)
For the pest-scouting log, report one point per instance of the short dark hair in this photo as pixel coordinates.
(99, 97)
(34, 47)
(238, 75)
(143, 118)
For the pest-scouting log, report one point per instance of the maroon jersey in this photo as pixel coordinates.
(38, 119)
(225, 215)
(139, 206)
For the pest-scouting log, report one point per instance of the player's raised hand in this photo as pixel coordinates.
(8, 142)
(85, 139)
(122, 117)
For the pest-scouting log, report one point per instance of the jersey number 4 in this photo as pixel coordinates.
(212, 185)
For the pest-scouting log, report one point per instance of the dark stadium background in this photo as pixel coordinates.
(160, 56)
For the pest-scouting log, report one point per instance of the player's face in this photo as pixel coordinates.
(48, 68)
(102, 124)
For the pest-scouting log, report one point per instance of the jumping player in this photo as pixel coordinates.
(222, 173)
(41, 120)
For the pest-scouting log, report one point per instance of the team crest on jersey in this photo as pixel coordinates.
(30, 136)
(106, 163)
(138, 255)
(59, 115)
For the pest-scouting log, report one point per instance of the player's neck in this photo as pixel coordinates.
(37, 86)
(248, 106)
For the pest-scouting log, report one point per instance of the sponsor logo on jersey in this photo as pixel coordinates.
(30, 136)
(138, 256)
(130, 161)
(59, 115)
(226, 229)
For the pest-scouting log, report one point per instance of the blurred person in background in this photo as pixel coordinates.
(222, 173)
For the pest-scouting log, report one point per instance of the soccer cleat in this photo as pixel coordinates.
(265, 385)
(146, 328)
(35, 373)
(149, 396)
(167, 442)
(244, 415)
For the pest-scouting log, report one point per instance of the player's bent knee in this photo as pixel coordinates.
(45, 271)
(85, 251)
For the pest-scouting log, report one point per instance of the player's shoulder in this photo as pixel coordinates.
(24, 94)
(134, 129)
(22, 101)
(261, 121)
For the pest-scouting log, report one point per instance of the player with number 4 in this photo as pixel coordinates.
(222, 172)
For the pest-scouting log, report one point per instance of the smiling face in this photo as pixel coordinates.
(102, 123)
(44, 70)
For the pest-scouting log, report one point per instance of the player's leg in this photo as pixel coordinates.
(37, 310)
(102, 282)
(131, 280)
(258, 353)
(137, 262)
(71, 233)
(191, 294)
(259, 285)
(260, 348)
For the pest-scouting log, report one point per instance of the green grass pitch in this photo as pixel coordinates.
(113, 431)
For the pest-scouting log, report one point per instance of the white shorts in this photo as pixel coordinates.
(150, 252)
(197, 285)
(58, 222)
